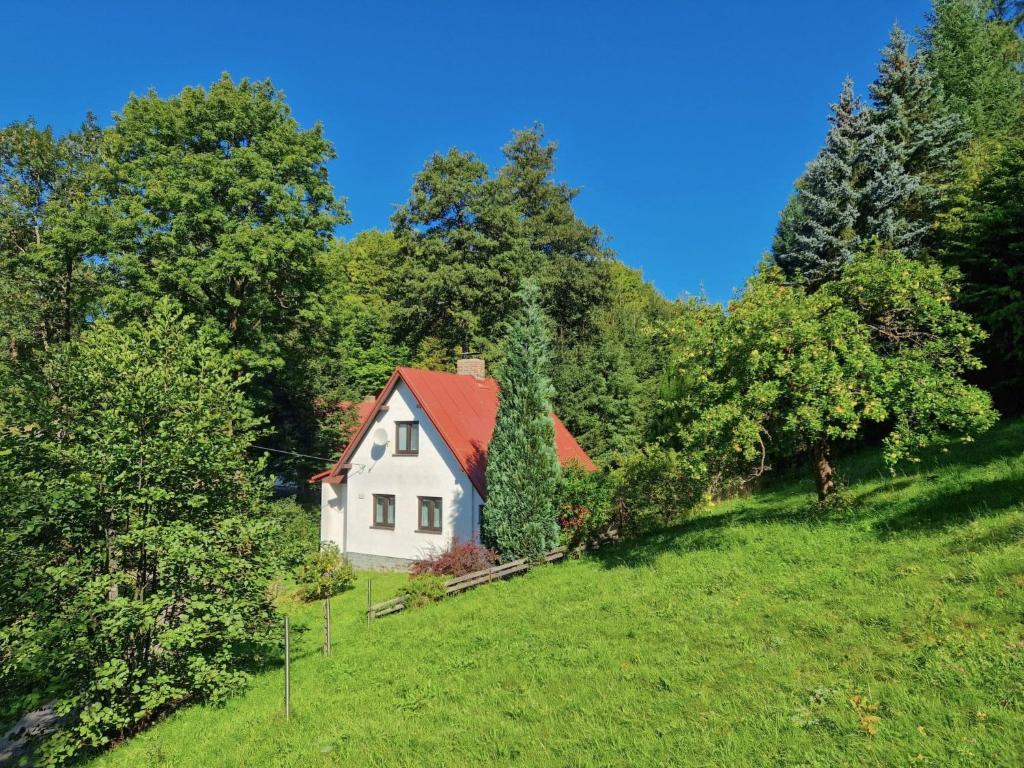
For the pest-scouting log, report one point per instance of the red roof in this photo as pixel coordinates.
(462, 409)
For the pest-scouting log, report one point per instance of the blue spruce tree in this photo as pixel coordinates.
(522, 465)
(819, 237)
(911, 154)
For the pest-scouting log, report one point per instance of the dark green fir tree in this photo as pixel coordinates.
(989, 252)
(522, 465)
(979, 59)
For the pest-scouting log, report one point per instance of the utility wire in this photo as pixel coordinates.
(290, 453)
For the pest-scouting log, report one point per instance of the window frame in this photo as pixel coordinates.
(389, 507)
(436, 513)
(411, 427)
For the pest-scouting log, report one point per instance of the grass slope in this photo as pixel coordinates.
(750, 636)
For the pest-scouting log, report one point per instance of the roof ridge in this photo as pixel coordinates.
(463, 416)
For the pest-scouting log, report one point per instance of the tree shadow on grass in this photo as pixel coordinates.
(793, 502)
(702, 533)
(933, 512)
(1004, 534)
(890, 485)
(706, 532)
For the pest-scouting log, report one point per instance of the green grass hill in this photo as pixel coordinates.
(754, 635)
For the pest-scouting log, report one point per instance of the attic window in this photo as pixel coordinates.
(407, 438)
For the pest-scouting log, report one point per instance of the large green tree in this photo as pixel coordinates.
(467, 238)
(786, 373)
(606, 386)
(980, 63)
(217, 199)
(911, 155)
(133, 540)
(887, 173)
(520, 518)
(48, 235)
(459, 254)
(465, 241)
(570, 253)
(354, 348)
(979, 60)
(825, 237)
(988, 248)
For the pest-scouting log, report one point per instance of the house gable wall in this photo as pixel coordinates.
(347, 509)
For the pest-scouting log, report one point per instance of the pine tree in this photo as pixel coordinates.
(823, 238)
(989, 252)
(522, 465)
(911, 154)
(979, 61)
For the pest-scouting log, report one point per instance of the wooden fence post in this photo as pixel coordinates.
(327, 627)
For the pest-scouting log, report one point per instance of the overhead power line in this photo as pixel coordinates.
(289, 453)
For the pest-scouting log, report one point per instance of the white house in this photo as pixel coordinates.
(414, 474)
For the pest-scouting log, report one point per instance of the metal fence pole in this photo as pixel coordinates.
(369, 600)
(287, 674)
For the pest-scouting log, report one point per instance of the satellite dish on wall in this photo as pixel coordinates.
(380, 437)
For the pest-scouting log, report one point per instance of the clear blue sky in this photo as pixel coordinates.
(684, 123)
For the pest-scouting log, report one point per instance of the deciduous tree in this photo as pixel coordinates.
(48, 235)
(785, 372)
(217, 199)
(134, 548)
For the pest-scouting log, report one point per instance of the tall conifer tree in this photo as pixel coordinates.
(522, 465)
(980, 62)
(824, 238)
(911, 154)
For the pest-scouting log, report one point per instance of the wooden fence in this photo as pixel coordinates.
(468, 581)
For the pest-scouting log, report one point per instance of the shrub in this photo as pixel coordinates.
(297, 532)
(656, 487)
(324, 574)
(423, 589)
(838, 504)
(460, 558)
(584, 505)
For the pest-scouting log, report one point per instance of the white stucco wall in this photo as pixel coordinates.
(332, 513)
(346, 510)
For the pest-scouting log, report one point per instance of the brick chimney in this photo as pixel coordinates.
(471, 366)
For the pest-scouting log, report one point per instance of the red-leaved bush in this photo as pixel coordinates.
(460, 558)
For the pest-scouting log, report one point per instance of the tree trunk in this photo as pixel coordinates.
(65, 298)
(108, 535)
(821, 453)
(237, 291)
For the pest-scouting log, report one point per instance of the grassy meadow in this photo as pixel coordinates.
(753, 635)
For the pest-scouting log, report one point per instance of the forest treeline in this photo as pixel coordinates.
(174, 294)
